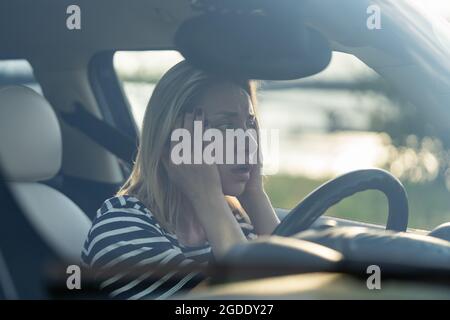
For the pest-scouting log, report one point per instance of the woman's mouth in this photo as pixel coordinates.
(242, 172)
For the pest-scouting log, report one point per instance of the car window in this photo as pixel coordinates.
(139, 72)
(342, 119)
(18, 72)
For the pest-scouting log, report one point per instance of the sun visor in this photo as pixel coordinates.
(254, 45)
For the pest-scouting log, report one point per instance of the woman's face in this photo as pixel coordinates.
(227, 106)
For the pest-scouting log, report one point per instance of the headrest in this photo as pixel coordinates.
(30, 136)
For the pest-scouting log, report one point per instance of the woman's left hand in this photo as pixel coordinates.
(255, 201)
(257, 204)
(254, 185)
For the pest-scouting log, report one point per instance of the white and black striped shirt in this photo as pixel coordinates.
(126, 234)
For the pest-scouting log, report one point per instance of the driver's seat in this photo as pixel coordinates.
(31, 151)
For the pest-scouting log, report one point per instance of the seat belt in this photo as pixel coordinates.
(101, 132)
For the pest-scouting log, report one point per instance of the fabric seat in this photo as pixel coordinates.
(31, 151)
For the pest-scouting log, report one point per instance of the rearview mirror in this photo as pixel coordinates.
(257, 45)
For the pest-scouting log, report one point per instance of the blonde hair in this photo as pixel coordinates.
(176, 93)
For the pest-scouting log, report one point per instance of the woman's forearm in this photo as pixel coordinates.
(222, 229)
(260, 210)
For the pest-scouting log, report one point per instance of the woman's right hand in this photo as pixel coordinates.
(194, 180)
(202, 186)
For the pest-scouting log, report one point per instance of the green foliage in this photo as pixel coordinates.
(429, 202)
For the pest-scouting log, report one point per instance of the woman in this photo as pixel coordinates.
(180, 214)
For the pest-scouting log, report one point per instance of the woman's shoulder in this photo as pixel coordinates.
(125, 206)
(123, 226)
(126, 203)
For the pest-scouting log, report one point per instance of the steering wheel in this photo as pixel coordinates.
(317, 202)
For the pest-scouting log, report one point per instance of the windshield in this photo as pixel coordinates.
(359, 112)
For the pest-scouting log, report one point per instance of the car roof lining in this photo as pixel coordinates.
(105, 25)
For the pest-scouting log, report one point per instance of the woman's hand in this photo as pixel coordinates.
(255, 201)
(257, 204)
(194, 180)
(254, 185)
(212, 216)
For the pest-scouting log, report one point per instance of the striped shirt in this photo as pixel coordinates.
(125, 234)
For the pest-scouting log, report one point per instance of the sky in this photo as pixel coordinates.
(441, 7)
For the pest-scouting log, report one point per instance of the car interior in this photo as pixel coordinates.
(69, 142)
